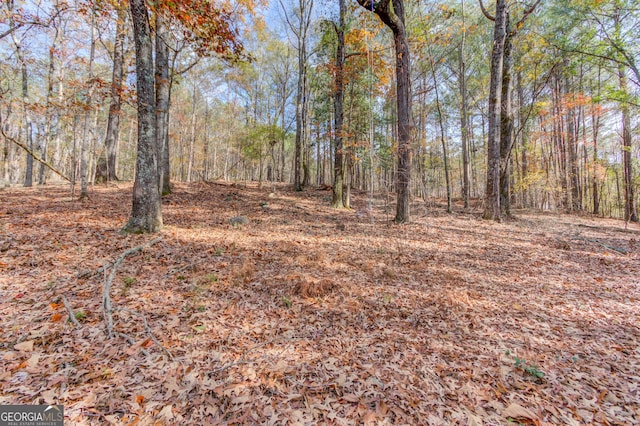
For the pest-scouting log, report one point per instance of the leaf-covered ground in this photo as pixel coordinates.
(306, 315)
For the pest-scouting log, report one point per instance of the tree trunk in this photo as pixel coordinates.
(28, 125)
(86, 131)
(391, 13)
(113, 121)
(464, 118)
(192, 136)
(305, 8)
(146, 215)
(442, 135)
(338, 103)
(506, 121)
(492, 207)
(163, 93)
(630, 210)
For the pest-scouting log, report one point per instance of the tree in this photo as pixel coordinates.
(500, 132)
(301, 32)
(107, 164)
(28, 125)
(492, 197)
(87, 128)
(464, 112)
(163, 95)
(146, 214)
(391, 13)
(338, 105)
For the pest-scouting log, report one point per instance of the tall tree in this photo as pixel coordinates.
(87, 127)
(163, 94)
(500, 137)
(392, 14)
(28, 124)
(492, 201)
(464, 112)
(146, 214)
(338, 105)
(300, 30)
(108, 163)
(630, 209)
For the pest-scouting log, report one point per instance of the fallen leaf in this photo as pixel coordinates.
(516, 411)
(166, 413)
(25, 346)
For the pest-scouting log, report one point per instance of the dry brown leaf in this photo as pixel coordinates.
(166, 413)
(25, 346)
(517, 411)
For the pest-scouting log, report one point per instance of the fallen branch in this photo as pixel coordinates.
(618, 249)
(607, 246)
(149, 332)
(89, 274)
(33, 154)
(107, 309)
(72, 315)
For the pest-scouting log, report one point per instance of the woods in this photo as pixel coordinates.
(549, 123)
(362, 212)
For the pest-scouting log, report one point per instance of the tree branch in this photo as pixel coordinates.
(107, 308)
(30, 152)
(485, 12)
(525, 15)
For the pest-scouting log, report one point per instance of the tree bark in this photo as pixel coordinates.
(464, 118)
(443, 140)
(630, 210)
(113, 121)
(506, 121)
(86, 127)
(163, 93)
(192, 135)
(391, 13)
(146, 215)
(28, 125)
(338, 103)
(492, 207)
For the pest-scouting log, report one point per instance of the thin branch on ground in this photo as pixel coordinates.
(149, 331)
(107, 308)
(72, 315)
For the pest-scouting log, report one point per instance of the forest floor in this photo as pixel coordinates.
(308, 315)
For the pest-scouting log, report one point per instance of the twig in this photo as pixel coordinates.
(89, 274)
(72, 315)
(33, 154)
(149, 332)
(184, 268)
(132, 342)
(107, 309)
(608, 247)
(618, 249)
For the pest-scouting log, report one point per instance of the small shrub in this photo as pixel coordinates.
(529, 369)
